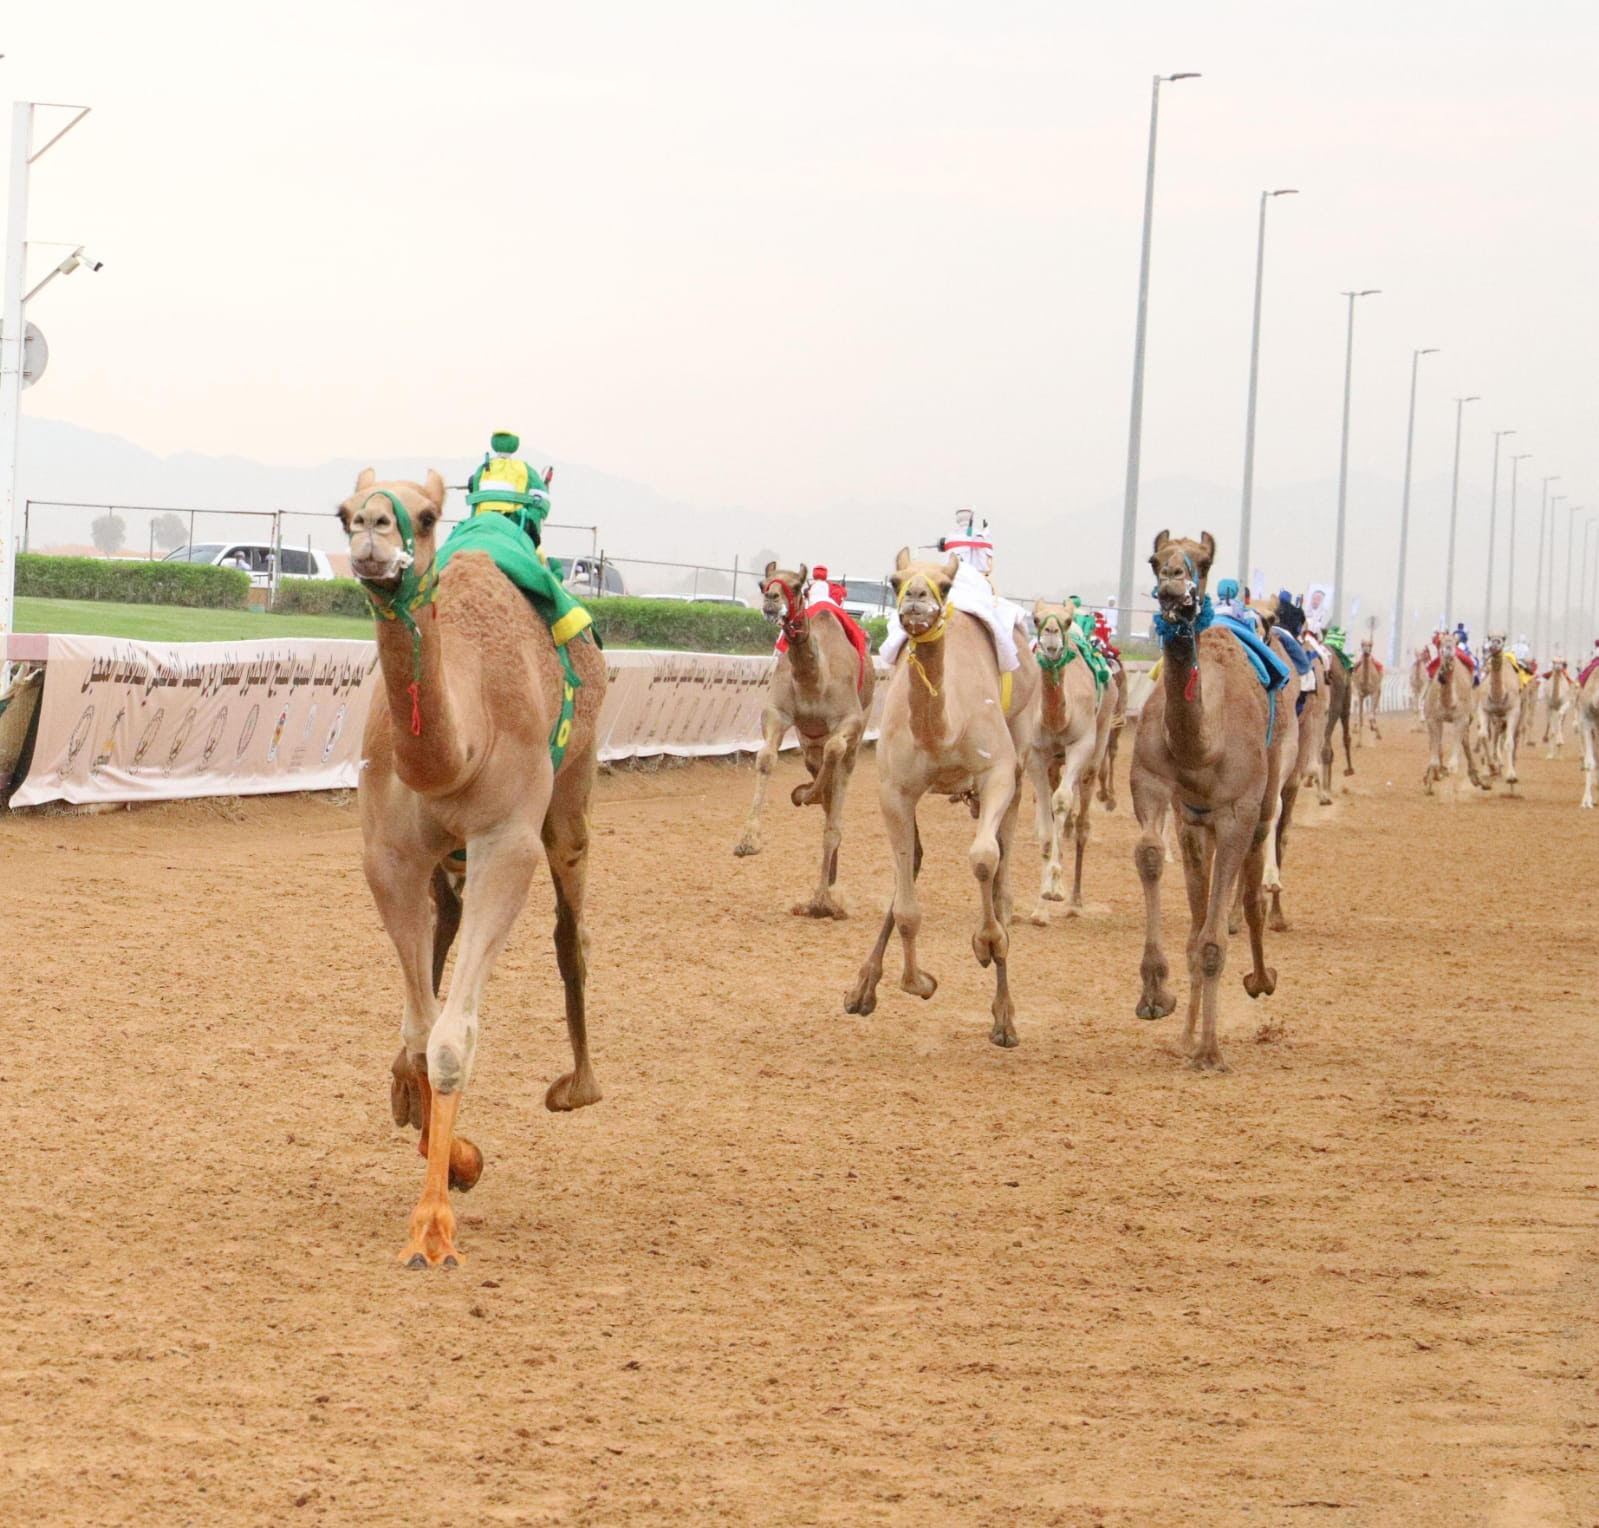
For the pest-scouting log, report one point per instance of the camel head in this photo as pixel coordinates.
(1496, 643)
(921, 590)
(379, 553)
(783, 593)
(1052, 622)
(1365, 647)
(1181, 569)
(1269, 608)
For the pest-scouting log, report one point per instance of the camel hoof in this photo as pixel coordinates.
(750, 843)
(1349, 771)
(923, 985)
(567, 1093)
(1266, 983)
(405, 1093)
(989, 947)
(450, 1261)
(466, 1164)
(1054, 894)
(417, 1261)
(803, 795)
(1157, 1007)
(1040, 917)
(1004, 1036)
(1207, 1064)
(1278, 924)
(818, 907)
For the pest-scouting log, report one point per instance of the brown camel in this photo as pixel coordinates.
(1069, 745)
(1366, 683)
(1208, 745)
(1339, 695)
(1447, 706)
(1106, 790)
(951, 723)
(1587, 704)
(822, 688)
(458, 758)
(1499, 708)
(1557, 696)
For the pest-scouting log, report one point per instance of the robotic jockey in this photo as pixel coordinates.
(505, 484)
(973, 591)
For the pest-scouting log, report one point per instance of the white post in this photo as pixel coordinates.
(11, 336)
(1454, 504)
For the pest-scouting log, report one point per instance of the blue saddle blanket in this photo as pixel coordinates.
(1269, 669)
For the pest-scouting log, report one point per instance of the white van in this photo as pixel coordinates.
(256, 559)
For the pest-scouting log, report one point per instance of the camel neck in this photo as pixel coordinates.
(928, 716)
(1054, 697)
(427, 751)
(1185, 704)
(804, 660)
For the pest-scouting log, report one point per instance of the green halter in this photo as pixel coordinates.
(401, 604)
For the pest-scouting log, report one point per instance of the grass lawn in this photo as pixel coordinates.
(175, 623)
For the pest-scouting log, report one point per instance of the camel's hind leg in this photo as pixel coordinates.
(773, 726)
(1043, 772)
(1261, 978)
(1070, 804)
(862, 997)
(1273, 849)
(1233, 840)
(499, 868)
(996, 825)
(1588, 730)
(838, 759)
(566, 847)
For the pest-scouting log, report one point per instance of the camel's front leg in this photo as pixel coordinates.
(1198, 846)
(1512, 727)
(1233, 839)
(1463, 745)
(773, 726)
(1261, 979)
(1590, 758)
(862, 997)
(838, 758)
(1151, 803)
(991, 941)
(1071, 802)
(499, 867)
(1045, 829)
(566, 847)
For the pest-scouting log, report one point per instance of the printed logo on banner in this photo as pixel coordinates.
(248, 732)
(151, 730)
(185, 727)
(335, 732)
(103, 758)
(297, 758)
(80, 736)
(214, 736)
(277, 736)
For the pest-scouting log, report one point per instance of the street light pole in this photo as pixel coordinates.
(1343, 458)
(1546, 588)
(1537, 577)
(1397, 624)
(1493, 521)
(1135, 428)
(1510, 578)
(1454, 504)
(1254, 376)
(1572, 511)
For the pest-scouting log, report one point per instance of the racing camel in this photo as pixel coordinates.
(822, 687)
(482, 742)
(1366, 684)
(1209, 745)
(1447, 706)
(951, 723)
(1499, 708)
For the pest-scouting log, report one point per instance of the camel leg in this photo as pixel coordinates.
(1463, 744)
(566, 847)
(1232, 845)
(1376, 732)
(499, 868)
(1590, 759)
(862, 998)
(1081, 832)
(1360, 721)
(1198, 845)
(1003, 1032)
(1076, 771)
(1045, 829)
(991, 941)
(1324, 775)
(1260, 979)
(1274, 848)
(832, 780)
(773, 726)
(1151, 803)
(1343, 721)
(1512, 724)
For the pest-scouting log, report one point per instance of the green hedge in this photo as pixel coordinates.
(321, 596)
(131, 583)
(626, 621)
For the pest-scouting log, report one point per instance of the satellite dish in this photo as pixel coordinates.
(35, 355)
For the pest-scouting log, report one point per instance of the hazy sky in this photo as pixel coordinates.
(793, 257)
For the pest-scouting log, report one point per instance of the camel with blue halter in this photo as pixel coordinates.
(482, 744)
(1500, 699)
(1076, 707)
(1209, 746)
(822, 687)
(953, 724)
(1447, 706)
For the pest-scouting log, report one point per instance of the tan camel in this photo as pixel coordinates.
(1587, 704)
(1499, 708)
(1419, 679)
(458, 757)
(1447, 706)
(1339, 693)
(822, 688)
(1069, 745)
(1105, 792)
(1206, 746)
(951, 723)
(1557, 698)
(1366, 685)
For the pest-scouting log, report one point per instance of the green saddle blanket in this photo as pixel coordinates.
(502, 538)
(1082, 645)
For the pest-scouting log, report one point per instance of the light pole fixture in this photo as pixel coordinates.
(1510, 576)
(1537, 576)
(1135, 428)
(1396, 625)
(1343, 458)
(1254, 376)
(13, 330)
(1493, 522)
(1454, 504)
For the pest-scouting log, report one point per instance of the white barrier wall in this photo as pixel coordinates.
(135, 721)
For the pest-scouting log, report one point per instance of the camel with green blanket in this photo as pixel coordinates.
(479, 755)
(1076, 707)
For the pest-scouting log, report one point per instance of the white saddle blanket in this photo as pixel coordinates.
(973, 594)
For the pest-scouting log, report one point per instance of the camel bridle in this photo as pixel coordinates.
(412, 593)
(793, 617)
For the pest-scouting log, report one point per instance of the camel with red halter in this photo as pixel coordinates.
(1366, 688)
(1558, 692)
(1447, 705)
(822, 687)
(1500, 699)
(460, 756)
(955, 725)
(1206, 747)
(1075, 717)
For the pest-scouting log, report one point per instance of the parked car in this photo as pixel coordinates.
(867, 598)
(589, 575)
(256, 559)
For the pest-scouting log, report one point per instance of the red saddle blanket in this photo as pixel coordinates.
(1592, 664)
(858, 638)
(1460, 653)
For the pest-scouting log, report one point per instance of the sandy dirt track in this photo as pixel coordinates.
(798, 1267)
